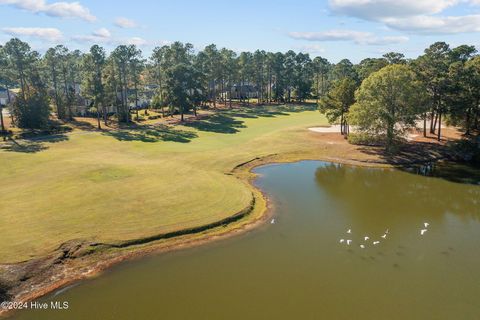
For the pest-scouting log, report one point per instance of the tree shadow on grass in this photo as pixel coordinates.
(219, 123)
(31, 145)
(408, 153)
(227, 121)
(150, 133)
(270, 111)
(83, 125)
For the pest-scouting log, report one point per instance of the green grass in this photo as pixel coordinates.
(134, 183)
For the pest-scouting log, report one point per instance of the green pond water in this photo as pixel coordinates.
(296, 267)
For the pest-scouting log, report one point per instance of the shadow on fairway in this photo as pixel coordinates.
(270, 111)
(152, 134)
(227, 121)
(219, 123)
(32, 145)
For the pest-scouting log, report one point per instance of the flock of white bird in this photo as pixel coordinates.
(376, 242)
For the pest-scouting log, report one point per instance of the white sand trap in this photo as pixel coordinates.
(326, 129)
(336, 129)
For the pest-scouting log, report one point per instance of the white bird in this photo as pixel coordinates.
(426, 224)
(273, 221)
(384, 236)
(366, 238)
(349, 231)
(386, 231)
(348, 242)
(422, 232)
(342, 240)
(362, 246)
(376, 242)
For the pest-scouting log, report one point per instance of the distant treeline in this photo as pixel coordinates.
(178, 79)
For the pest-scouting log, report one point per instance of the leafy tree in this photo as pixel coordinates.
(394, 58)
(124, 57)
(432, 67)
(368, 66)
(137, 65)
(210, 58)
(303, 76)
(245, 68)
(279, 81)
(182, 81)
(337, 102)
(321, 67)
(52, 63)
(93, 88)
(259, 67)
(463, 96)
(31, 107)
(159, 66)
(289, 74)
(5, 81)
(344, 69)
(229, 73)
(388, 103)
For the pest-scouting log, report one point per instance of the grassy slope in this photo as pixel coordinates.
(130, 184)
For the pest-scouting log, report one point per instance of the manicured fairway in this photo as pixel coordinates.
(135, 183)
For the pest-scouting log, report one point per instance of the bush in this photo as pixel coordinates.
(33, 112)
(467, 150)
(362, 138)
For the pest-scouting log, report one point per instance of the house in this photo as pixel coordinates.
(238, 91)
(4, 96)
(86, 110)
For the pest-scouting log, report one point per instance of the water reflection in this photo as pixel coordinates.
(296, 268)
(388, 196)
(451, 171)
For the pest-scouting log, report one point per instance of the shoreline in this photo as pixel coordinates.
(73, 262)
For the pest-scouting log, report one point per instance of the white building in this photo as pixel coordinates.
(4, 96)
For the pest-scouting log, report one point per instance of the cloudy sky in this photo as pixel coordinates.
(335, 29)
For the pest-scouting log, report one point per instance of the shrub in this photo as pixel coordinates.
(362, 138)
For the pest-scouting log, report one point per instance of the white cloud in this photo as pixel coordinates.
(102, 33)
(313, 49)
(137, 41)
(103, 36)
(55, 9)
(438, 25)
(379, 9)
(359, 37)
(92, 38)
(49, 34)
(413, 16)
(125, 23)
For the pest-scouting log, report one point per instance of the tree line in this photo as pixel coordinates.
(183, 79)
(386, 96)
(381, 96)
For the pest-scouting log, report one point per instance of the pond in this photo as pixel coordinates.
(298, 268)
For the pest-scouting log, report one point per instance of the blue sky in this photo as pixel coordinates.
(335, 29)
